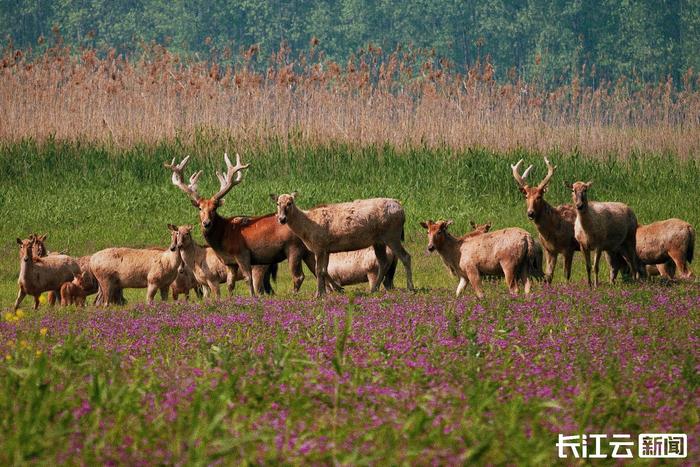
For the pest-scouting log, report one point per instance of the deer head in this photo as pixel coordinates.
(534, 196)
(207, 207)
(26, 249)
(436, 233)
(285, 203)
(579, 194)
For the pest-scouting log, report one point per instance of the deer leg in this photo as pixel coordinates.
(511, 282)
(460, 287)
(666, 270)
(372, 279)
(213, 287)
(243, 261)
(151, 293)
(680, 264)
(568, 261)
(596, 261)
(587, 258)
(321, 273)
(36, 301)
(164, 293)
(295, 268)
(20, 296)
(475, 280)
(390, 272)
(551, 259)
(380, 253)
(525, 278)
(401, 253)
(51, 296)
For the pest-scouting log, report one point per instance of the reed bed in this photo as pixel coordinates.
(405, 99)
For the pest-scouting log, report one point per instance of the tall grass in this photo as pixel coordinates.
(401, 98)
(87, 197)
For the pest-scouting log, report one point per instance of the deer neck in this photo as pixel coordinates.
(299, 222)
(25, 267)
(190, 255)
(215, 235)
(449, 249)
(547, 220)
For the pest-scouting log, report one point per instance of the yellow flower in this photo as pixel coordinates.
(43, 331)
(24, 344)
(9, 316)
(42, 299)
(38, 353)
(8, 357)
(19, 314)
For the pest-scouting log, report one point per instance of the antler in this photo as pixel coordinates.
(550, 172)
(520, 179)
(191, 189)
(228, 181)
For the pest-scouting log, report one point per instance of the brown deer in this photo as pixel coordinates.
(603, 226)
(122, 268)
(210, 271)
(360, 266)
(244, 241)
(38, 275)
(183, 283)
(555, 225)
(348, 226)
(664, 247)
(502, 252)
(73, 293)
(90, 285)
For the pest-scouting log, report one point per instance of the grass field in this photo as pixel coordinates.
(392, 378)
(87, 198)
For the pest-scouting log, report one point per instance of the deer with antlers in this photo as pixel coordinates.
(245, 241)
(555, 225)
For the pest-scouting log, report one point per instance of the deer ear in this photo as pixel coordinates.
(473, 224)
(522, 190)
(194, 203)
(43, 237)
(588, 185)
(422, 224)
(568, 185)
(189, 227)
(294, 194)
(172, 227)
(19, 241)
(273, 197)
(449, 222)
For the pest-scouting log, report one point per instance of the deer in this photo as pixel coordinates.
(153, 269)
(603, 226)
(183, 283)
(664, 247)
(348, 226)
(73, 293)
(89, 283)
(360, 266)
(243, 241)
(555, 225)
(501, 252)
(38, 275)
(210, 271)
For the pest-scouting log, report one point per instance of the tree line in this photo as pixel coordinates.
(553, 40)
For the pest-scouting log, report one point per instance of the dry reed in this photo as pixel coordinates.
(397, 98)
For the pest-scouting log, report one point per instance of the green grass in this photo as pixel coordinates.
(88, 197)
